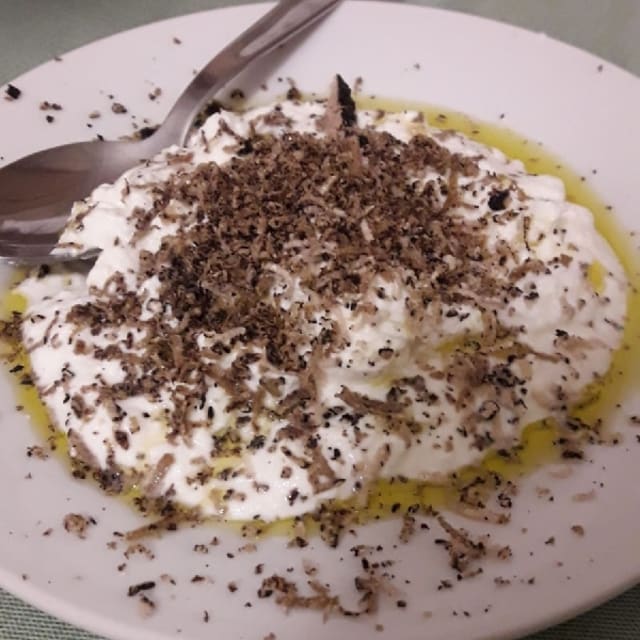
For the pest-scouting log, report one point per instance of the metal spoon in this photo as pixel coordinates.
(36, 192)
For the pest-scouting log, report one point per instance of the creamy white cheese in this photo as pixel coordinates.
(547, 227)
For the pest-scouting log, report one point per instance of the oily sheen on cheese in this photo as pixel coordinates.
(307, 298)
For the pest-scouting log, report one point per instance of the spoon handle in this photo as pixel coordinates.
(285, 20)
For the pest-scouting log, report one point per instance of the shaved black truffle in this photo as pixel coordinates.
(346, 102)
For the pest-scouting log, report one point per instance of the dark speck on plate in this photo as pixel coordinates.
(13, 92)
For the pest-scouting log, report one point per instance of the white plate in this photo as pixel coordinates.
(548, 91)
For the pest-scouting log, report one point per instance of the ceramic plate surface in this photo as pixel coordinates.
(581, 108)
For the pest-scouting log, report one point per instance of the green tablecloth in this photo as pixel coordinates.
(32, 31)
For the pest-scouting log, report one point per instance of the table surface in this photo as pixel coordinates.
(33, 31)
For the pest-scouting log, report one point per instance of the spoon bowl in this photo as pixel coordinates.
(37, 193)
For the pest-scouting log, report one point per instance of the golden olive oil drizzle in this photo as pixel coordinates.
(537, 445)
(26, 395)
